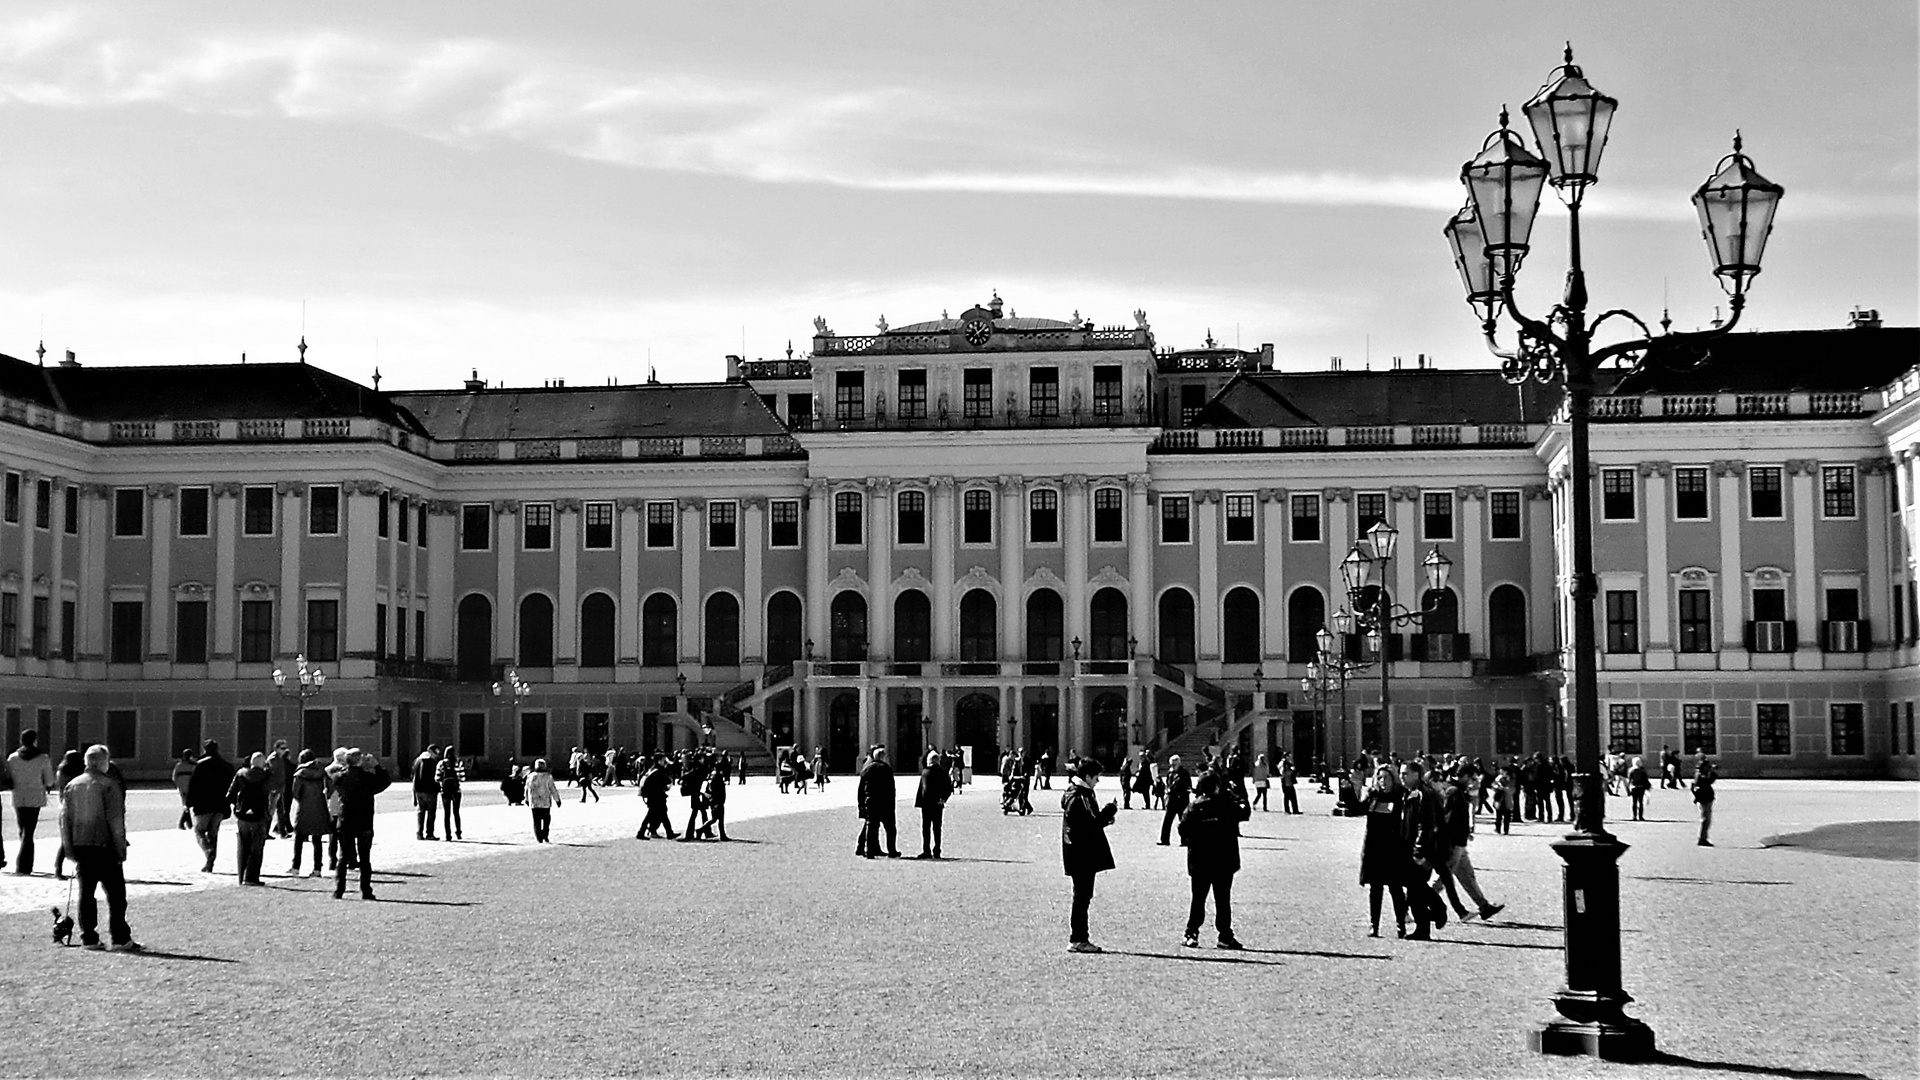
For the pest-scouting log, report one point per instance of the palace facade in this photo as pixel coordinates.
(980, 531)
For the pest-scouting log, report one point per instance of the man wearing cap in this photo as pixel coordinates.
(362, 779)
(93, 829)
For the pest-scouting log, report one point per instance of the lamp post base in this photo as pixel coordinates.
(1618, 1038)
(1592, 1022)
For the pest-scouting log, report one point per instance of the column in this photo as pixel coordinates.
(1403, 503)
(1013, 548)
(357, 592)
(628, 539)
(226, 586)
(1804, 511)
(292, 530)
(443, 537)
(819, 514)
(1473, 553)
(945, 614)
(870, 726)
(879, 568)
(1206, 538)
(506, 603)
(1273, 526)
(159, 574)
(1732, 571)
(1141, 540)
(566, 603)
(1076, 539)
(1336, 504)
(1009, 710)
(692, 540)
(1542, 582)
(1876, 491)
(753, 607)
(1653, 519)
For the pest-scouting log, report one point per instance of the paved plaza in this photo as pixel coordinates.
(783, 954)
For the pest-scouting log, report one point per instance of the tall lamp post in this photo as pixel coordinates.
(510, 691)
(307, 681)
(1364, 571)
(1327, 675)
(1489, 237)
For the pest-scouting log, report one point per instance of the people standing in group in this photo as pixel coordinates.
(1638, 783)
(363, 778)
(1210, 830)
(655, 784)
(875, 797)
(335, 769)
(1704, 775)
(207, 798)
(31, 770)
(1453, 834)
(311, 820)
(1179, 792)
(1084, 850)
(93, 831)
(447, 775)
(250, 797)
(280, 767)
(542, 795)
(936, 787)
(426, 792)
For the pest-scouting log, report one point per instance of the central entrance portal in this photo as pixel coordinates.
(976, 723)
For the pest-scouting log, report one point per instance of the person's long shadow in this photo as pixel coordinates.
(148, 881)
(162, 954)
(1660, 1058)
(1322, 954)
(491, 843)
(1703, 881)
(428, 903)
(1202, 958)
(976, 858)
(1498, 944)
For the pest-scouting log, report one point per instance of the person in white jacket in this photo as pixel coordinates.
(31, 769)
(543, 795)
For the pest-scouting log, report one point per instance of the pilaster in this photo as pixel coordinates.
(291, 530)
(566, 603)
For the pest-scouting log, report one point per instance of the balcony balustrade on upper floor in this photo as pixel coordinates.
(884, 419)
(1412, 436)
(1774, 405)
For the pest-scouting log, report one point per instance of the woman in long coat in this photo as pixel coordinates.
(1084, 850)
(1383, 854)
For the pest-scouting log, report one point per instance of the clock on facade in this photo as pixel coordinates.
(978, 331)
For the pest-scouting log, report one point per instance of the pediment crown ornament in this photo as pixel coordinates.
(848, 578)
(1694, 575)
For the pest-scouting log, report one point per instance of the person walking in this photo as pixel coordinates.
(448, 776)
(1419, 837)
(1455, 832)
(207, 798)
(1669, 768)
(583, 775)
(1382, 857)
(1210, 829)
(1084, 850)
(363, 778)
(93, 830)
(182, 775)
(1126, 782)
(693, 779)
(542, 795)
(936, 787)
(1260, 782)
(31, 770)
(250, 795)
(715, 790)
(311, 821)
(1143, 781)
(1704, 775)
(71, 766)
(1638, 782)
(1179, 793)
(426, 792)
(654, 787)
(280, 767)
(819, 769)
(875, 797)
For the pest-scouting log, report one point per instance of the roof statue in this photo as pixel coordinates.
(1140, 318)
(820, 325)
(882, 324)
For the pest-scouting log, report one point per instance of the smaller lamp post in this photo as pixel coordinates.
(510, 691)
(306, 682)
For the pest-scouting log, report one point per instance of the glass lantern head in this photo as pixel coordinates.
(1736, 207)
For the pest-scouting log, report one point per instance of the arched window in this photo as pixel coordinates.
(597, 631)
(1046, 625)
(659, 631)
(1507, 624)
(722, 631)
(1107, 626)
(536, 631)
(473, 626)
(848, 617)
(784, 629)
(1176, 626)
(1443, 612)
(1240, 627)
(912, 627)
(1306, 616)
(979, 619)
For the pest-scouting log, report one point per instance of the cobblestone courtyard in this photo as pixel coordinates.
(782, 954)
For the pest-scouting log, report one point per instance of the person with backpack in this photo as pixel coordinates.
(448, 775)
(1210, 831)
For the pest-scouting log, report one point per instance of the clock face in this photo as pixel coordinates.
(978, 331)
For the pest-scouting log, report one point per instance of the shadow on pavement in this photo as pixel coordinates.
(145, 881)
(1498, 944)
(1203, 958)
(978, 858)
(1322, 954)
(428, 903)
(1752, 1070)
(162, 954)
(1704, 881)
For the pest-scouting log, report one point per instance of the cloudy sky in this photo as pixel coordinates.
(579, 190)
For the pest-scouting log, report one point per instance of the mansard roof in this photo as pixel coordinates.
(590, 412)
(1373, 398)
(197, 392)
(1853, 358)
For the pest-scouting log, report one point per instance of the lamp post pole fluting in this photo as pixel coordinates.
(1489, 237)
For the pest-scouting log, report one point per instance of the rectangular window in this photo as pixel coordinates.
(128, 632)
(1107, 383)
(9, 624)
(1690, 494)
(380, 631)
(420, 635)
(1440, 729)
(849, 395)
(848, 528)
(193, 507)
(1623, 729)
(783, 523)
(1108, 516)
(129, 511)
(912, 404)
(536, 526)
(420, 523)
(69, 629)
(256, 631)
(1043, 392)
(1769, 605)
(976, 516)
(1369, 509)
(723, 525)
(42, 626)
(1043, 516)
(800, 412)
(190, 632)
(71, 519)
(599, 531)
(1763, 492)
(976, 393)
(660, 524)
(1176, 526)
(1623, 621)
(1773, 728)
(1836, 491)
(383, 516)
(323, 510)
(1370, 740)
(1696, 620)
(910, 518)
(1436, 515)
(403, 520)
(399, 634)
(1306, 518)
(1698, 733)
(1503, 515)
(323, 631)
(13, 498)
(1849, 732)
(476, 526)
(122, 725)
(1239, 518)
(43, 504)
(1508, 730)
(1617, 499)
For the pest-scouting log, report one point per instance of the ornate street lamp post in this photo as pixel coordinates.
(307, 681)
(1328, 674)
(510, 691)
(1570, 122)
(1371, 610)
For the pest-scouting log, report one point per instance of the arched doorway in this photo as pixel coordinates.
(1240, 627)
(1107, 625)
(1507, 625)
(1109, 730)
(473, 657)
(722, 645)
(536, 631)
(784, 631)
(597, 631)
(1176, 626)
(976, 723)
(848, 625)
(1306, 616)
(1046, 625)
(912, 627)
(843, 732)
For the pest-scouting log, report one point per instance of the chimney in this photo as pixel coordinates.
(1266, 356)
(1863, 319)
(733, 366)
(475, 383)
(71, 360)
(1396, 363)
(1336, 364)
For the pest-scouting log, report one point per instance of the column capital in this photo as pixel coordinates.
(940, 483)
(1802, 466)
(228, 489)
(1729, 467)
(442, 507)
(754, 502)
(817, 487)
(1206, 496)
(566, 506)
(1336, 494)
(1655, 468)
(1011, 483)
(291, 487)
(1404, 493)
(1874, 466)
(363, 487)
(96, 491)
(506, 506)
(1537, 492)
(630, 503)
(162, 491)
(1470, 492)
(1273, 494)
(1074, 482)
(689, 503)
(878, 485)
(1138, 481)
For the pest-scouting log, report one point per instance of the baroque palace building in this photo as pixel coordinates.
(980, 531)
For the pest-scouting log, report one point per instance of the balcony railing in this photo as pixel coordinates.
(1441, 648)
(1845, 635)
(1713, 406)
(1771, 635)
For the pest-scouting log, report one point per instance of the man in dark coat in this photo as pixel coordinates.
(936, 787)
(1420, 836)
(362, 779)
(426, 792)
(875, 797)
(1083, 846)
(207, 799)
(1179, 793)
(1210, 829)
(654, 788)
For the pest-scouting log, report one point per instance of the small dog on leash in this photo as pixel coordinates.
(62, 928)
